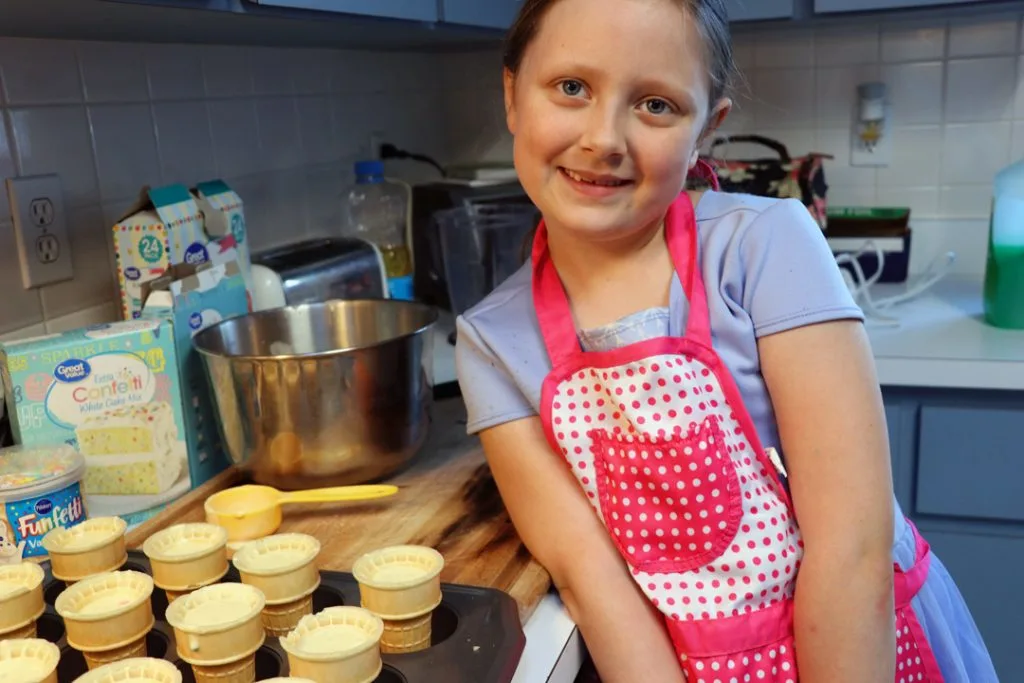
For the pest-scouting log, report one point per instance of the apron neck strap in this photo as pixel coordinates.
(551, 302)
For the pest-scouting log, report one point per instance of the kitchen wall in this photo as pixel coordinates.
(957, 95)
(283, 127)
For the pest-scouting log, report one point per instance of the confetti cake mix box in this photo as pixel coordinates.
(111, 391)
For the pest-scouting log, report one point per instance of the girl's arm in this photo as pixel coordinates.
(822, 383)
(623, 632)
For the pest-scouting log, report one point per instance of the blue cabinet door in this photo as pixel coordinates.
(753, 10)
(488, 13)
(416, 10)
(863, 5)
(986, 569)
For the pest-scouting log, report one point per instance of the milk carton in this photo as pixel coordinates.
(112, 392)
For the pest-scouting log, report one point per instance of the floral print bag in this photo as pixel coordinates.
(781, 175)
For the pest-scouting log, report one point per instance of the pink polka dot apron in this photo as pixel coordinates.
(658, 437)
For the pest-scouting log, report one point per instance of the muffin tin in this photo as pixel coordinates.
(476, 633)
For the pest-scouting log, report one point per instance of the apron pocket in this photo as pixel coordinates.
(671, 504)
(771, 663)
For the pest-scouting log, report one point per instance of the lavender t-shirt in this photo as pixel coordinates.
(766, 267)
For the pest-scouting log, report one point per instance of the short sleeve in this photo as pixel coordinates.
(488, 389)
(791, 276)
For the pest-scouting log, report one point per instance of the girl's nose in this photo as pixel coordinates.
(605, 134)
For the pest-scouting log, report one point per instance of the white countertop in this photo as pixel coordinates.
(943, 341)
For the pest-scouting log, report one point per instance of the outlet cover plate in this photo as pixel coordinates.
(40, 229)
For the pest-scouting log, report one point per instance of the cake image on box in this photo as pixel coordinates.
(130, 450)
(144, 428)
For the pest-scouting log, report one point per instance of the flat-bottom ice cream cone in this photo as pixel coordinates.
(29, 660)
(406, 635)
(242, 671)
(142, 670)
(339, 644)
(94, 660)
(402, 586)
(279, 620)
(26, 631)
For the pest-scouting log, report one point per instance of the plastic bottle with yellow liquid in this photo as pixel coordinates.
(377, 211)
(1004, 270)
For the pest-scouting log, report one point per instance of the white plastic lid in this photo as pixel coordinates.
(30, 471)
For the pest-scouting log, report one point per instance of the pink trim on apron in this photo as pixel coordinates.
(658, 437)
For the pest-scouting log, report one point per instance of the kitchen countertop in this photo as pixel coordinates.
(944, 342)
(447, 500)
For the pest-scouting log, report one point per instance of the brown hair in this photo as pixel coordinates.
(712, 23)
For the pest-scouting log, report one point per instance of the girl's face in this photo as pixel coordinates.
(607, 110)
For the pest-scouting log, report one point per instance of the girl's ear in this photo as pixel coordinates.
(508, 81)
(715, 118)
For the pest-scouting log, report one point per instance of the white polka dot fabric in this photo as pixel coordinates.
(694, 511)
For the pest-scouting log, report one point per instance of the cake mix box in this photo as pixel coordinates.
(164, 228)
(192, 299)
(112, 391)
(224, 216)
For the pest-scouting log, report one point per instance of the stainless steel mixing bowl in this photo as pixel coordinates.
(322, 394)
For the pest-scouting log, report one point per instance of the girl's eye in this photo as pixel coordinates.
(657, 107)
(571, 88)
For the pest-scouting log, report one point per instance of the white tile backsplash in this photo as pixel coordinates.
(56, 140)
(39, 71)
(980, 89)
(837, 92)
(21, 307)
(1017, 141)
(915, 91)
(785, 95)
(278, 123)
(965, 201)
(916, 160)
(94, 281)
(847, 45)
(780, 48)
(184, 141)
(94, 315)
(125, 146)
(908, 43)
(989, 38)
(974, 152)
(113, 72)
(281, 126)
(236, 137)
(175, 72)
(226, 71)
(316, 129)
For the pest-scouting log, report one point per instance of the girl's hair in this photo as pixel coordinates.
(712, 23)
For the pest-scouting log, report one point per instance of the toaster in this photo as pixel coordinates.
(317, 270)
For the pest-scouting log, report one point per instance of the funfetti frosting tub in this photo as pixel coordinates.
(40, 491)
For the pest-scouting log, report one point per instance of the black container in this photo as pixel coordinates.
(476, 634)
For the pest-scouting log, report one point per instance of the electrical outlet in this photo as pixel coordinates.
(40, 228)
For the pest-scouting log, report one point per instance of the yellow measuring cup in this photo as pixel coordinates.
(251, 511)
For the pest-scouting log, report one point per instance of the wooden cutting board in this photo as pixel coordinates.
(447, 500)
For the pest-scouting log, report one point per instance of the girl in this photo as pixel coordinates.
(655, 343)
